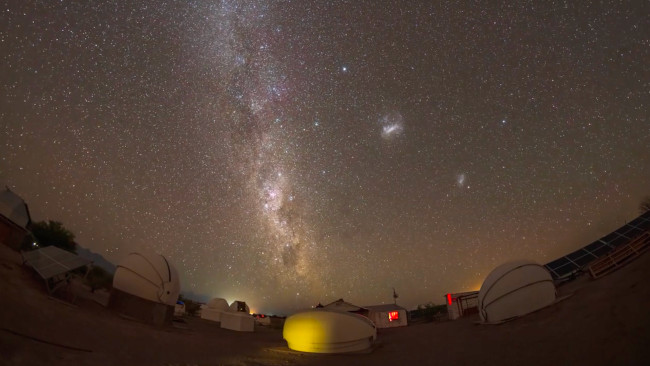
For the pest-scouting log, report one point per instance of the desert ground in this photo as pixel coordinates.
(604, 322)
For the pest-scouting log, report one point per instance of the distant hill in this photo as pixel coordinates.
(97, 259)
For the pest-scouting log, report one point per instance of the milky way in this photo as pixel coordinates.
(289, 153)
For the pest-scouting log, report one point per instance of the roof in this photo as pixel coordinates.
(52, 261)
(14, 208)
(462, 294)
(342, 305)
(384, 307)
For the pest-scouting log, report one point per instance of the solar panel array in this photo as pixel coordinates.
(573, 262)
(52, 261)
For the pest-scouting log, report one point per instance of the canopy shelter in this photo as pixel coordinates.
(54, 265)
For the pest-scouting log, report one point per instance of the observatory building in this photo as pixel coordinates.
(146, 288)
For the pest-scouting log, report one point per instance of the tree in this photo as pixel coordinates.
(645, 205)
(99, 278)
(53, 233)
(429, 311)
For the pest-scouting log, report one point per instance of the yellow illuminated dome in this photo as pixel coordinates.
(327, 331)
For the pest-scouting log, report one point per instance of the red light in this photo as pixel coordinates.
(449, 299)
(393, 315)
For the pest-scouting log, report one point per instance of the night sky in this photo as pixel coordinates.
(287, 153)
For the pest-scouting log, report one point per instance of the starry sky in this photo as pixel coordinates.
(287, 153)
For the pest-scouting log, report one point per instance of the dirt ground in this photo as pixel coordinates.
(605, 322)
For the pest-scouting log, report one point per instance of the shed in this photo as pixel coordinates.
(237, 320)
(179, 308)
(515, 289)
(146, 288)
(461, 304)
(14, 219)
(388, 315)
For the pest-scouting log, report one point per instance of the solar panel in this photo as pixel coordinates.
(566, 265)
(619, 241)
(584, 260)
(51, 261)
(634, 232)
(558, 262)
(602, 251)
(577, 254)
(636, 222)
(609, 238)
(563, 270)
(595, 246)
(643, 225)
(624, 231)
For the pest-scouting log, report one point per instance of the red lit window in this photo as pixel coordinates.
(393, 315)
(449, 299)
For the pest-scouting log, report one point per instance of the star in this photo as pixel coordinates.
(275, 148)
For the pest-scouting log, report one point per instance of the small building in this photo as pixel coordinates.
(179, 308)
(238, 321)
(145, 288)
(14, 219)
(388, 315)
(213, 309)
(461, 304)
(515, 289)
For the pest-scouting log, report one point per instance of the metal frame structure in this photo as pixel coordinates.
(573, 263)
(54, 265)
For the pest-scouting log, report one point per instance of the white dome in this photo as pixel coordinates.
(218, 304)
(515, 289)
(328, 331)
(14, 208)
(150, 277)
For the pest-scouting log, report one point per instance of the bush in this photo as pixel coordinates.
(99, 278)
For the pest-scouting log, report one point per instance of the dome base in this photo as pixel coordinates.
(139, 309)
